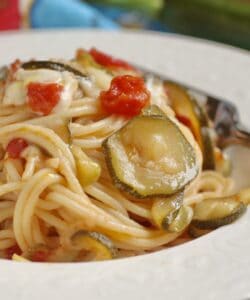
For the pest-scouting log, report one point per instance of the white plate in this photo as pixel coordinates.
(216, 266)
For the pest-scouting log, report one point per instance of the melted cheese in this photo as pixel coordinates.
(16, 91)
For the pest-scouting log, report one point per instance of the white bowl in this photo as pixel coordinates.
(216, 266)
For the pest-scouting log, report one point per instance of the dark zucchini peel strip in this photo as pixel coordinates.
(150, 157)
(52, 65)
(213, 213)
(195, 232)
(95, 243)
(192, 114)
(165, 210)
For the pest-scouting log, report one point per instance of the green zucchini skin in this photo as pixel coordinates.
(195, 232)
(218, 222)
(56, 66)
(165, 210)
(225, 21)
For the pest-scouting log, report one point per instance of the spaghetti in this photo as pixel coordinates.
(49, 211)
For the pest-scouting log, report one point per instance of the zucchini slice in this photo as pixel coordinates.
(88, 171)
(86, 60)
(213, 213)
(152, 110)
(190, 112)
(164, 211)
(52, 65)
(150, 157)
(95, 243)
(182, 220)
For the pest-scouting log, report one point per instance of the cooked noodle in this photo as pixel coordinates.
(42, 200)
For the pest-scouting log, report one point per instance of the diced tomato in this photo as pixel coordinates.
(12, 250)
(109, 61)
(185, 121)
(43, 97)
(39, 253)
(126, 96)
(15, 147)
(15, 65)
(40, 256)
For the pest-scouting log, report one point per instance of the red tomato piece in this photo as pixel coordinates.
(109, 61)
(15, 65)
(40, 256)
(184, 120)
(15, 147)
(126, 96)
(12, 250)
(12, 70)
(43, 97)
(187, 122)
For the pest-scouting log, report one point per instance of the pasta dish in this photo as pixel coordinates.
(99, 161)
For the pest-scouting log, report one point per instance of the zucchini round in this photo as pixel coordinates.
(190, 112)
(182, 219)
(52, 65)
(150, 157)
(94, 242)
(88, 171)
(213, 213)
(164, 211)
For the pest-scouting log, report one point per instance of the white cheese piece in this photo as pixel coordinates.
(16, 91)
(70, 87)
(15, 94)
(158, 95)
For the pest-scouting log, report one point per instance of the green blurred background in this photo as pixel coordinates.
(226, 21)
